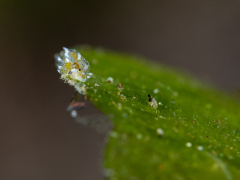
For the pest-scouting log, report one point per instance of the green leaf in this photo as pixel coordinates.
(200, 124)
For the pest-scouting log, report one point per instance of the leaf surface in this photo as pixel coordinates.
(200, 124)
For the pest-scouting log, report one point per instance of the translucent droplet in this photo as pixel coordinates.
(74, 113)
(119, 105)
(125, 115)
(175, 94)
(108, 172)
(139, 136)
(188, 144)
(109, 80)
(200, 148)
(113, 134)
(160, 131)
(156, 90)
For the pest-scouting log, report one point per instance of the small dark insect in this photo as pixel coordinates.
(70, 72)
(207, 137)
(79, 69)
(149, 98)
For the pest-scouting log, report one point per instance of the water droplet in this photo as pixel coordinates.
(188, 144)
(125, 115)
(200, 148)
(74, 113)
(108, 172)
(109, 80)
(113, 134)
(175, 93)
(156, 90)
(139, 136)
(160, 132)
(119, 105)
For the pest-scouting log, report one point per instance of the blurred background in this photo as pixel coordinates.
(38, 138)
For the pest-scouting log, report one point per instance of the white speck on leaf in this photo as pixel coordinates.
(200, 148)
(156, 90)
(160, 131)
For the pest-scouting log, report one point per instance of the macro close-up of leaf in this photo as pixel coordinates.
(120, 90)
(166, 124)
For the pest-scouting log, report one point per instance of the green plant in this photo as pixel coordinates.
(193, 133)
